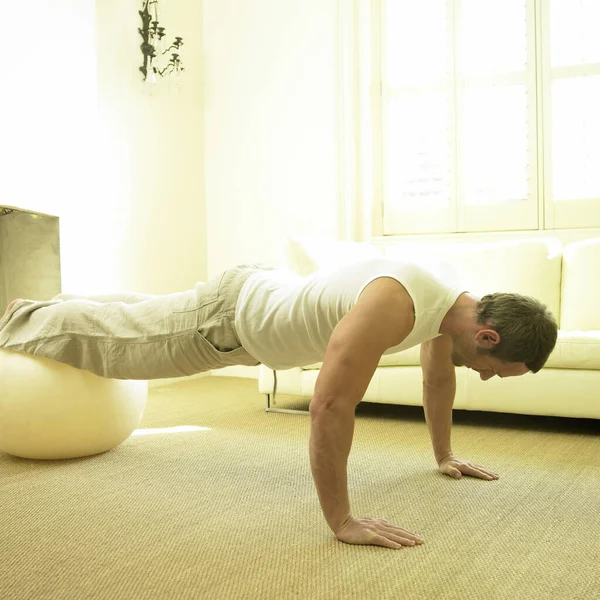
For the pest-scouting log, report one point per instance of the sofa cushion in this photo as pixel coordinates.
(530, 266)
(574, 350)
(304, 255)
(410, 357)
(581, 285)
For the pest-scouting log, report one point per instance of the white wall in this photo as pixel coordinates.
(270, 85)
(86, 141)
(153, 146)
(48, 106)
(132, 200)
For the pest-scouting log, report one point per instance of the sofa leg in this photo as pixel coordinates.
(271, 402)
(291, 411)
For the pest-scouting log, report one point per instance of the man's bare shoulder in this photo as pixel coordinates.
(388, 289)
(386, 300)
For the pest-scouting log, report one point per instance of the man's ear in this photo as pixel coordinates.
(487, 338)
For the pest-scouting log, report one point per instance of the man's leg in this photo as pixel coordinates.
(146, 338)
(127, 297)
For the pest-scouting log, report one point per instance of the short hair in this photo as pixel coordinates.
(528, 330)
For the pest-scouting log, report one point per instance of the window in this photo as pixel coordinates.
(487, 114)
(571, 126)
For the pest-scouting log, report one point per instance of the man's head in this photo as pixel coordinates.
(514, 334)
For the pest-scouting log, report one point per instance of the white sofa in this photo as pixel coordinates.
(566, 278)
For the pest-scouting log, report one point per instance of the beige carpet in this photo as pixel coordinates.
(230, 511)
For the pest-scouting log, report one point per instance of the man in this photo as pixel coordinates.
(347, 317)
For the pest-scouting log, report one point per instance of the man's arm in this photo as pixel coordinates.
(439, 390)
(382, 317)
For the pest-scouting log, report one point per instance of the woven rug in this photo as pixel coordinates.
(213, 498)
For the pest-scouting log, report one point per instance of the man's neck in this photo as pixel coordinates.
(461, 316)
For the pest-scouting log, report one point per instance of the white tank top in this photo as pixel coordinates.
(285, 320)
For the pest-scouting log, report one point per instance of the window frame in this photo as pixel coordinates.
(539, 211)
(559, 214)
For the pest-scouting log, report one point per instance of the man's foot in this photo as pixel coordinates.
(10, 306)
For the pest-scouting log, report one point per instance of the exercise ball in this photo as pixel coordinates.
(50, 410)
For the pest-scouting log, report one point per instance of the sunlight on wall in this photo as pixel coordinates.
(51, 154)
(177, 429)
(270, 119)
(50, 112)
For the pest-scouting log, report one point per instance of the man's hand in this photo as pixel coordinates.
(455, 467)
(375, 532)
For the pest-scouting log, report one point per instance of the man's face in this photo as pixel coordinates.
(464, 355)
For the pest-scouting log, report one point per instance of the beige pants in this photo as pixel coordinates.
(132, 336)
